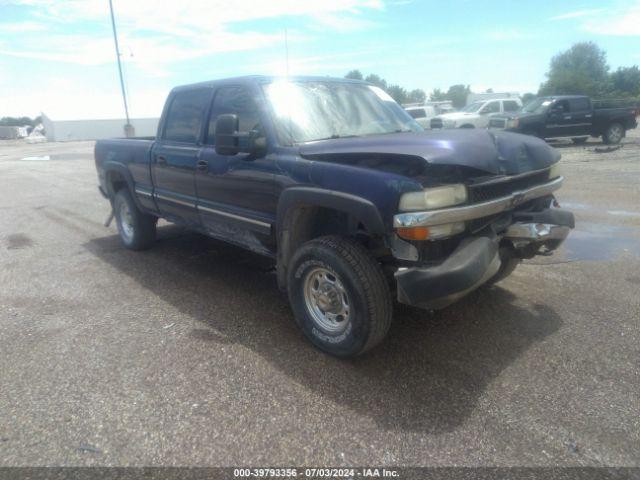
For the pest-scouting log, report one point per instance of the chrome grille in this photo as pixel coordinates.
(483, 192)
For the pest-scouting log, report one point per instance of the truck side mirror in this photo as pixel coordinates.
(230, 141)
(227, 134)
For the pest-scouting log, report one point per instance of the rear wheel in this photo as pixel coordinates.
(339, 296)
(614, 134)
(137, 230)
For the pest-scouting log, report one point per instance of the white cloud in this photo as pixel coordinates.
(20, 27)
(623, 22)
(577, 14)
(153, 35)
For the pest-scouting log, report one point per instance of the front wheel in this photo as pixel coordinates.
(339, 296)
(614, 134)
(137, 230)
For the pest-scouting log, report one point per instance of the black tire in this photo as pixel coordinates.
(363, 285)
(139, 231)
(614, 134)
(580, 140)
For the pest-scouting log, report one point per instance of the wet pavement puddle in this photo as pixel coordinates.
(596, 241)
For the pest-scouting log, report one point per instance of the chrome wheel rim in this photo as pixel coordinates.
(327, 300)
(126, 222)
(615, 135)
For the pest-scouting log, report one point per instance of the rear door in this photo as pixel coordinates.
(581, 116)
(175, 154)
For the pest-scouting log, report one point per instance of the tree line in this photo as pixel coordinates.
(580, 70)
(20, 121)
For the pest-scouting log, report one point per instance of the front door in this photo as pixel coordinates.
(236, 196)
(559, 119)
(175, 154)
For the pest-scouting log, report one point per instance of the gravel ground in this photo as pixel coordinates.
(187, 354)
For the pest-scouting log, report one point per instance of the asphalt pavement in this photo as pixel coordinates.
(187, 354)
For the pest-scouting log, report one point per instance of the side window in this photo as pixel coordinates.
(491, 107)
(579, 104)
(417, 113)
(510, 106)
(184, 116)
(233, 100)
(561, 106)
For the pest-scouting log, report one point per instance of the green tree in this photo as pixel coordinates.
(398, 93)
(416, 96)
(527, 97)
(437, 95)
(377, 81)
(458, 95)
(354, 75)
(581, 70)
(626, 81)
(18, 121)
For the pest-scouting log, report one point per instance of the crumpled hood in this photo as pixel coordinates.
(478, 152)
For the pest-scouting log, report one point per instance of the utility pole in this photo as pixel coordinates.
(127, 128)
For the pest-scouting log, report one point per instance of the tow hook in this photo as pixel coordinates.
(109, 219)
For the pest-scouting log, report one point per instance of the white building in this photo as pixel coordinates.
(58, 130)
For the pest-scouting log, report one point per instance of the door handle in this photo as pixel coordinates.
(160, 160)
(202, 165)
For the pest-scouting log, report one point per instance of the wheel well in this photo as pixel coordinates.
(115, 181)
(305, 223)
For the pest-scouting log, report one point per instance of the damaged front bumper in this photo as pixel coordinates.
(478, 259)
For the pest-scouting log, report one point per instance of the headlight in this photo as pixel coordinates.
(432, 198)
(555, 171)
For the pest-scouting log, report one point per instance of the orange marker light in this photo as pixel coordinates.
(413, 233)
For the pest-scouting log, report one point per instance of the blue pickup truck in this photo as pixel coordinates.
(352, 200)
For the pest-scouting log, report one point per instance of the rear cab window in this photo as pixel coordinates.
(185, 116)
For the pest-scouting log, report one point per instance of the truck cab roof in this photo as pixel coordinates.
(260, 79)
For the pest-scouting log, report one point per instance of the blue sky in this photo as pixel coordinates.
(58, 56)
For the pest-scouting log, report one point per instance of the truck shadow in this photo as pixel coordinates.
(426, 377)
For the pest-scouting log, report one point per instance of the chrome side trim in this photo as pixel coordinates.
(235, 217)
(143, 192)
(174, 200)
(478, 210)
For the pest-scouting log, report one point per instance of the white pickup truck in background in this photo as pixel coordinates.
(424, 112)
(476, 114)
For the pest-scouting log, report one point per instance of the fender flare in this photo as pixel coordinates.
(360, 208)
(111, 166)
(294, 199)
